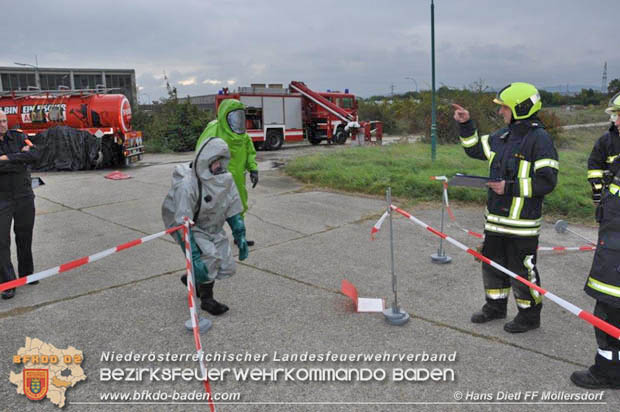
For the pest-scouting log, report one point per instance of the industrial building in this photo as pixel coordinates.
(32, 78)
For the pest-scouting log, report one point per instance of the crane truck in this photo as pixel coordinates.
(275, 115)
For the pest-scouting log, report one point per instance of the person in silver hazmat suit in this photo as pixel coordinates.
(205, 192)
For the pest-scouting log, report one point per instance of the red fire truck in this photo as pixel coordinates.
(106, 116)
(275, 115)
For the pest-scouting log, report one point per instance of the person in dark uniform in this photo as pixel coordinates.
(523, 164)
(603, 282)
(16, 202)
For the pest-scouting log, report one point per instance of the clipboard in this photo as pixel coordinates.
(480, 182)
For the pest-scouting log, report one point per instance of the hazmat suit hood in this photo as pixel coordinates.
(216, 149)
(218, 187)
(227, 120)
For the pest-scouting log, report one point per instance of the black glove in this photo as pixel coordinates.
(254, 178)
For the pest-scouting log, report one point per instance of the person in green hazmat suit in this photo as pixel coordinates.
(205, 192)
(230, 126)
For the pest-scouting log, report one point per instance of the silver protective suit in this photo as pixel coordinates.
(220, 200)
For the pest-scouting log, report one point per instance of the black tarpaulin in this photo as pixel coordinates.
(65, 148)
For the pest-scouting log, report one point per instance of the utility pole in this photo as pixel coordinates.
(434, 104)
(392, 89)
(604, 85)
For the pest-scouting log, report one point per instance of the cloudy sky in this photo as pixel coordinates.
(364, 45)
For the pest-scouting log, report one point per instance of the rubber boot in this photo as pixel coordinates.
(208, 303)
(488, 313)
(184, 282)
(8, 294)
(8, 275)
(587, 379)
(526, 319)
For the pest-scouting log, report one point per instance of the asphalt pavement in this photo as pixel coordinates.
(286, 310)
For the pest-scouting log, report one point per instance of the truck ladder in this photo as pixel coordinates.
(321, 101)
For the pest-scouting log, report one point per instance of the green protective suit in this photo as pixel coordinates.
(242, 152)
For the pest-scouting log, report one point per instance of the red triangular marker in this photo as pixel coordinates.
(349, 290)
(361, 304)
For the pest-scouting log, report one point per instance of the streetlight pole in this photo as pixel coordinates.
(37, 79)
(414, 81)
(434, 105)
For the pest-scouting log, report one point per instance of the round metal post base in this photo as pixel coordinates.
(561, 226)
(396, 318)
(204, 324)
(437, 258)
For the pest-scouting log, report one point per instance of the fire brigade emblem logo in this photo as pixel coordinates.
(36, 383)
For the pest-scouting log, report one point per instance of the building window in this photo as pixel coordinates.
(54, 81)
(347, 103)
(86, 81)
(120, 82)
(18, 81)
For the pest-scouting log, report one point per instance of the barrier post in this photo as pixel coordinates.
(561, 226)
(195, 320)
(393, 315)
(440, 257)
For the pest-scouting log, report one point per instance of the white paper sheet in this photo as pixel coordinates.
(369, 305)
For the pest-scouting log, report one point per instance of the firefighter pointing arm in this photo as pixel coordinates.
(603, 282)
(523, 164)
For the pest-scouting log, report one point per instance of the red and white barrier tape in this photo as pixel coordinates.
(88, 259)
(82, 261)
(585, 248)
(377, 225)
(585, 315)
(444, 181)
(193, 313)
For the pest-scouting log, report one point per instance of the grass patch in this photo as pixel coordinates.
(407, 169)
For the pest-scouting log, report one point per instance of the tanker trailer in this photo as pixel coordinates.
(87, 122)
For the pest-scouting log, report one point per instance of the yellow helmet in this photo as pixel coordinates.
(522, 98)
(614, 105)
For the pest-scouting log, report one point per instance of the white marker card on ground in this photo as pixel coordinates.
(370, 305)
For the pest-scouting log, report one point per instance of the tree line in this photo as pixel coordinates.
(410, 113)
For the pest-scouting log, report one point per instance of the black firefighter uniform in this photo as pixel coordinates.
(523, 155)
(16, 204)
(603, 282)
